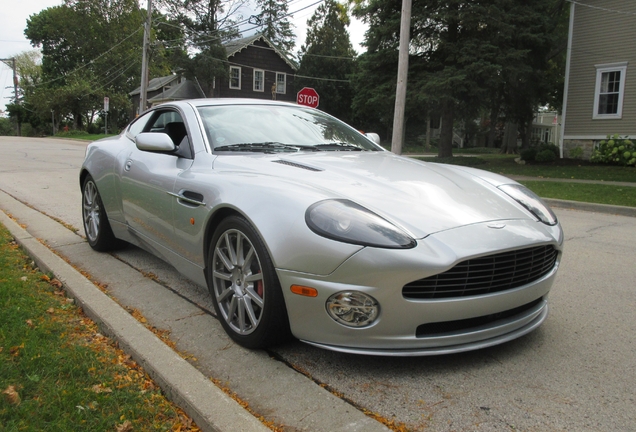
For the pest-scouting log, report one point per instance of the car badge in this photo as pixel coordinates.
(496, 226)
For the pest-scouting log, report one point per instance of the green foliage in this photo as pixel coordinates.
(545, 156)
(542, 153)
(616, 151)
(90, 49)
(576, 153)
(465, 57)
(528, 154)
(6, 127)
(275, 25)
(328, 54)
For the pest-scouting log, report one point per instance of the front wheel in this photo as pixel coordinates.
(96, 226)
(245, 290)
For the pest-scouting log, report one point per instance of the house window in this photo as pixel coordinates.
(609, 92)
(259, 80)
(235, 77)
(281, 83)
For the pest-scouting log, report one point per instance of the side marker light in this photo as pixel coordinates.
(304, 291)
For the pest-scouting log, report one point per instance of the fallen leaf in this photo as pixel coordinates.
(50, 310)
(56, 283)
(98, 388)
(29, 323)
(23, 278)
(12, 395)
(15, 351)
(124, 427)
(59, 293)
(45, 278)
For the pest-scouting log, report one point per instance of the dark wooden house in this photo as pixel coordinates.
(258, 70)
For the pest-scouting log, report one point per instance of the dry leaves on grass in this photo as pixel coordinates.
(12, 395)
(124, 427)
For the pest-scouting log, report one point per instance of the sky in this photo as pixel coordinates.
(13, 22)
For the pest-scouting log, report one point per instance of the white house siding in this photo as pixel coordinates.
(604, 32)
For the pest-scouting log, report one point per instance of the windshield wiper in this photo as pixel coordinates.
(265, 147)
(337, 147)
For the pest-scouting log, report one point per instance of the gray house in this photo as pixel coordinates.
(600, 81)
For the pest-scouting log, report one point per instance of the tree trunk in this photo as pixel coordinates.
(509, 145)
(427, 145)
(494, 117)
(446, 134)
(527, 134)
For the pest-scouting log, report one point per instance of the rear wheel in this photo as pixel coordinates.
(245, 290)
(96, 226)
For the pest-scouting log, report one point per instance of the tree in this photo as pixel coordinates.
(468, 55)
(275, 25)
(328, 54)
(91, 49)
(206, 25)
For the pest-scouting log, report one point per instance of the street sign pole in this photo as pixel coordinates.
(106, 106)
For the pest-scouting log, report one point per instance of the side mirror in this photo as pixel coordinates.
(373, 137)
(154, 142)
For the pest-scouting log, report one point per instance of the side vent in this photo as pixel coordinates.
(297, 165)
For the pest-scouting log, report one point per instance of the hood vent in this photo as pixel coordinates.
(297, 165)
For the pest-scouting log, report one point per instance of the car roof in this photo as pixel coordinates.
(231, 101)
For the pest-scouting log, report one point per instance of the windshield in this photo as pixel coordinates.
(276, 128)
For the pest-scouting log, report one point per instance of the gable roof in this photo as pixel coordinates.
(181, 91)
(156, 84)
(237, 45)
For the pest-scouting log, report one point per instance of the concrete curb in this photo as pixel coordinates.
(210, 408)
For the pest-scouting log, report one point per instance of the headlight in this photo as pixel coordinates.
(349, 222)
(530, 201)
(353, 308)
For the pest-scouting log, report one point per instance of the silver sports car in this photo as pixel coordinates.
(300, 226)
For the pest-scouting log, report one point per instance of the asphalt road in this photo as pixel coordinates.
(576, 372)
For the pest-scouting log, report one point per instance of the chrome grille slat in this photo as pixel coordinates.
(488, 274)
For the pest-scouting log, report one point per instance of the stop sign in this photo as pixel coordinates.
(308, 96)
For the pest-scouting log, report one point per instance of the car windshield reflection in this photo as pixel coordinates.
(278, 128)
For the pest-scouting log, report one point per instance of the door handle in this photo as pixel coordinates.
(189, 197)
(129, 163)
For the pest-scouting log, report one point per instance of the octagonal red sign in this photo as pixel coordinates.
(308, 97)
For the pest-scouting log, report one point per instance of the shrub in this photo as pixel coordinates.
(529, 154)
(576, 153)
(532, 154)
(546, 155)
(615, 150)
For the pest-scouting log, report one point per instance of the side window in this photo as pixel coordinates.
(137, 126)
(171, 123)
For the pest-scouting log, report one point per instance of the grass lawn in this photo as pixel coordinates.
(57, 373)
(81, 135)
(601, 194)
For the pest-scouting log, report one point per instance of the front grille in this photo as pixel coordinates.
(440, 328)
(485, 275)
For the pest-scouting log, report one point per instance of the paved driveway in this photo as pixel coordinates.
(576, 372)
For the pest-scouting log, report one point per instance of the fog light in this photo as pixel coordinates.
(353, 308)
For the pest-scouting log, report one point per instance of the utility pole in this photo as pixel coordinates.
(403, 68)
(144, 61)
(15, 87)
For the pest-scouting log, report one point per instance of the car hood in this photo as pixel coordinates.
(421, 197)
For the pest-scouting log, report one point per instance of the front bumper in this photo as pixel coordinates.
(382, 273)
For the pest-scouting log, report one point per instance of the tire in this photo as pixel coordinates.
(96, 226)
(245, 290)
